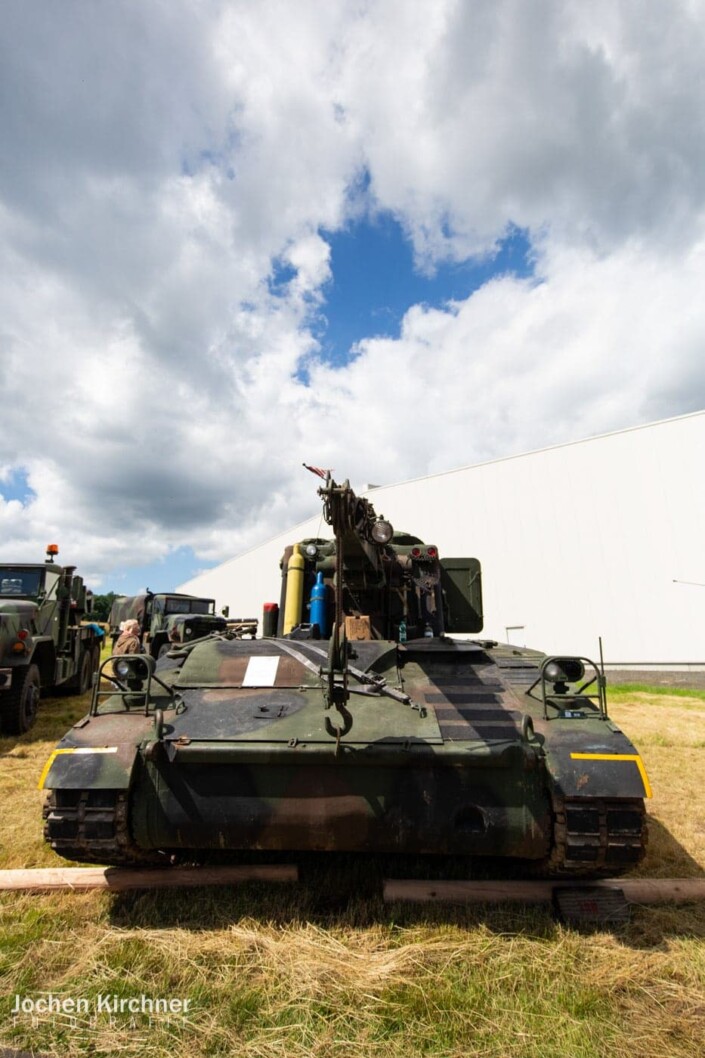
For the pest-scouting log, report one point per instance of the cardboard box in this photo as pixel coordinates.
(357, 628)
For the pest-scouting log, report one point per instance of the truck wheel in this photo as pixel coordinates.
(20, 704)
(80, 683)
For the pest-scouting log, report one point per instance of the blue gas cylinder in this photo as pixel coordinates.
(318, 611)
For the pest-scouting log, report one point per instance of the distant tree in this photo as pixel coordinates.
(102, 604)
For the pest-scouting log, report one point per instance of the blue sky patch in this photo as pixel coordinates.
(374, 281)
(16, 486)
(281, 275)
(161, 576)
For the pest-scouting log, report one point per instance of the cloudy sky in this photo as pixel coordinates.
(387, 237)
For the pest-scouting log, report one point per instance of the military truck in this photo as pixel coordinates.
(42, 642)
(166, 619)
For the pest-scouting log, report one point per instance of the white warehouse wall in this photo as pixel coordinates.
(576, 541)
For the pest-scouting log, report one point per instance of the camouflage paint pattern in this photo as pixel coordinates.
(242, 766)
(406, 741)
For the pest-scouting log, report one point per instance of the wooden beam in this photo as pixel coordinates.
(636, 890)
(120, 878)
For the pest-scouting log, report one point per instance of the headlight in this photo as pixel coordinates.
(136, 667)
(564, 670)
(311, 550)
(382, 531)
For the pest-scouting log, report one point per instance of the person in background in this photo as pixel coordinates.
(128, 642)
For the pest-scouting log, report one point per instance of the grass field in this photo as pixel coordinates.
(300, 970)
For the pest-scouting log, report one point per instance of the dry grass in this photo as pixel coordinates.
(273, 973)
(670, 734)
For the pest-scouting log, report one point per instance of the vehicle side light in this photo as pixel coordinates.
(382, 531)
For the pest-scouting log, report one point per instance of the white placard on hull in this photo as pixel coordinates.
(261, 671)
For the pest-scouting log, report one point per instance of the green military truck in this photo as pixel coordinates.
(42, 642)
(166, 619)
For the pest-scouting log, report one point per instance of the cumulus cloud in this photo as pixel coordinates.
(587, 119)
(165, 165)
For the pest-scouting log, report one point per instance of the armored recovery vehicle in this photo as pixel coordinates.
(358, 725)
(42, 641)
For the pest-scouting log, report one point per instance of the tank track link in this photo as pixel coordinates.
(596, 837)
(90, 826)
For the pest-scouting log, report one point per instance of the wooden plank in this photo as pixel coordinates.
(662, 890)
(636, 890)
(120, 878)
(468, 892)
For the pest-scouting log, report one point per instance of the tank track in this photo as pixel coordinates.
(591, 838)
(596, 837)
(90, 826)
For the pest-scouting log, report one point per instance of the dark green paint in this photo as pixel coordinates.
(166, 619)
(42, 641)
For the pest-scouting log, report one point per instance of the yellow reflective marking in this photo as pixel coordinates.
(71, 749)
(619, 756)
